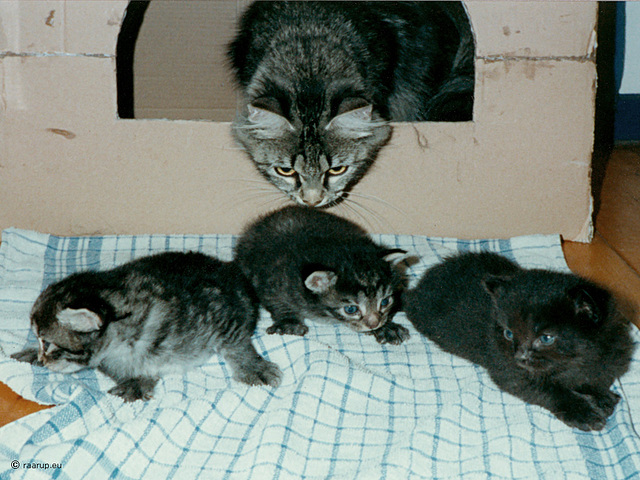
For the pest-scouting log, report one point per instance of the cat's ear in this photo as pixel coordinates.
(355, 124)
(589, 302)
(79, 320)
(320, 281)
(495, 284)
(266, 124)
(394, 255)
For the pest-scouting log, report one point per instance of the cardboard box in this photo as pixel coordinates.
(69, 165)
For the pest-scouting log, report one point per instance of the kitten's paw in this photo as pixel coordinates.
(133, 389)
(590, 412)
(260, 373)
(29, 355)
(288, 328)
(391, 333)
(606, 402)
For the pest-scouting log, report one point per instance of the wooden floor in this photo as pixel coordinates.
(612, 259)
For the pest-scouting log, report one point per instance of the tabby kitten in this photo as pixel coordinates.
(152, 316)
(551, 339)
(321, 80)
(306, 263)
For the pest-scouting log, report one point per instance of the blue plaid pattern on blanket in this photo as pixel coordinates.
(348, 408)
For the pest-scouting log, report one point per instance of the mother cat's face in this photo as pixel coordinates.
(313, 158)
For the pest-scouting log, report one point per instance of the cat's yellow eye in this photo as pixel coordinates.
(337, 170)
(285, 171)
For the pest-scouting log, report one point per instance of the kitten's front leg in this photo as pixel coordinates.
(138, 388)
(286, 322)
(29, 355)
(249, 367)
(586, 410)
(390, 332)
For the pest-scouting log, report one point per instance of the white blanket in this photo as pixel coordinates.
(347, 406)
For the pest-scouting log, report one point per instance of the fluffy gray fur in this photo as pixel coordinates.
(321, 80)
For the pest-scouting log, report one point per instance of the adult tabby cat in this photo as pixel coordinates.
(154, 315)
(549, 338)
(321, 80)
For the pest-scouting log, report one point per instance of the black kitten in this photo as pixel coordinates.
(551, 339)
(321, 80)
(155, 315)
(306, 263)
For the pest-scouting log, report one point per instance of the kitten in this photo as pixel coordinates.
(321, 80)
(306, 263)
(549, 338)
(154, 315)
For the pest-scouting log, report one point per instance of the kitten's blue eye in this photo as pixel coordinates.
(351, 309)
(385, 302)
(508, 334)
(547, 340)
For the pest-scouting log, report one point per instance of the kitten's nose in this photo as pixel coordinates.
(523, 355)
(372, 321)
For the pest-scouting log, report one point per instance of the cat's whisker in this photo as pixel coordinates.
(247, 195)
(379, 200)
(357, 209)
(350, 211)
(382, 222)
(234, 148)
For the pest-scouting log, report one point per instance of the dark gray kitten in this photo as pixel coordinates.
(152, 316)
(306, 263)
(551, 339)
(321, 80)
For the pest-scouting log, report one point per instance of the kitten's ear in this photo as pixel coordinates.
(266, 124)
(394, 255)
(355, 124)
(320, 281)
(589, 302)
(495, 284)
(79, 320)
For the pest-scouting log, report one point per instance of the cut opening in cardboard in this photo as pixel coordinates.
(71, 166)
(172, 59)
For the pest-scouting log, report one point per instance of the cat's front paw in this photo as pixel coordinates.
(590, 412)
(391, 333)
(260, 373)
(132, 389)
(29, 355)
(606, 402)
(288, 328)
